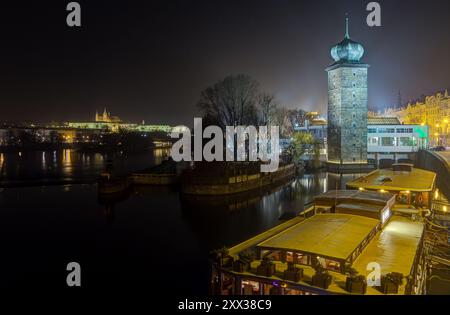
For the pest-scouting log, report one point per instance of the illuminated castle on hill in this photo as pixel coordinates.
(106, 122)
(106, 117)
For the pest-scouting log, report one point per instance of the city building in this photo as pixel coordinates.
(347, 106)
(324, 253)
(434, 112)
(388, 141)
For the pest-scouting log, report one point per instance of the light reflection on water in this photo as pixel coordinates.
(127, 237)
(69, 163)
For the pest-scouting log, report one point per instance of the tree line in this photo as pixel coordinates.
(237, 100)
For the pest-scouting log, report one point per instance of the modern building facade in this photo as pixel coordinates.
(387, 139)
(347, 105)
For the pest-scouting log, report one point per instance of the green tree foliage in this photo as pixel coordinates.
(301, 142)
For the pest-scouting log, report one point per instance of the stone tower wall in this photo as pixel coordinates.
(347, 113)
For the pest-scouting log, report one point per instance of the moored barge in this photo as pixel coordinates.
(333, 251)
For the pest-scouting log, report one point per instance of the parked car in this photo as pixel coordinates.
(439, 149)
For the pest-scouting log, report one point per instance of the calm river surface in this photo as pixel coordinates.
(152, 238)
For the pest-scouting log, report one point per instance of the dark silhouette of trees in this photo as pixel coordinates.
(237, 101)
(231, 101)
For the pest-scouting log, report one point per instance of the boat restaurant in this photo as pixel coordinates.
(328, 252)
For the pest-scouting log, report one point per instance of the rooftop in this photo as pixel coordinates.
(355, 196)
(359, 207)
(347, 51)
(387, 179)
(327, 235)
(382, 121)
(394, 248)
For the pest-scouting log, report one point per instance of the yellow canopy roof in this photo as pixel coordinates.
(417, 180)
(326, 235)
(394, 249)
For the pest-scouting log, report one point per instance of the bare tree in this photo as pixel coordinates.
(268, 110)
(297, 117)
(231, 101)
(281, 119)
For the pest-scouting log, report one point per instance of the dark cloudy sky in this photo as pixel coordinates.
(150, 59)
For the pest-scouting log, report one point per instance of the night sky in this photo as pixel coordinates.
(149, 60)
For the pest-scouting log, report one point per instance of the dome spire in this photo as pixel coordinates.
(347, 50)
(347, 35)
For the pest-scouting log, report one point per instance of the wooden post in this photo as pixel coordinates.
(238, 286)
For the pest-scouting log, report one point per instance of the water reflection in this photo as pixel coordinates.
(69, 163)
(44, 161)
(236, 217)
(129, 233)
(160, 154)
(109, 203)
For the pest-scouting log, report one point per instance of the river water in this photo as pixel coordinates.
(152, 237)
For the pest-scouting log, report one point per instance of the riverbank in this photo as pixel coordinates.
(47, 182)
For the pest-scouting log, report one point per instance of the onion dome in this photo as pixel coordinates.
(347, 50)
